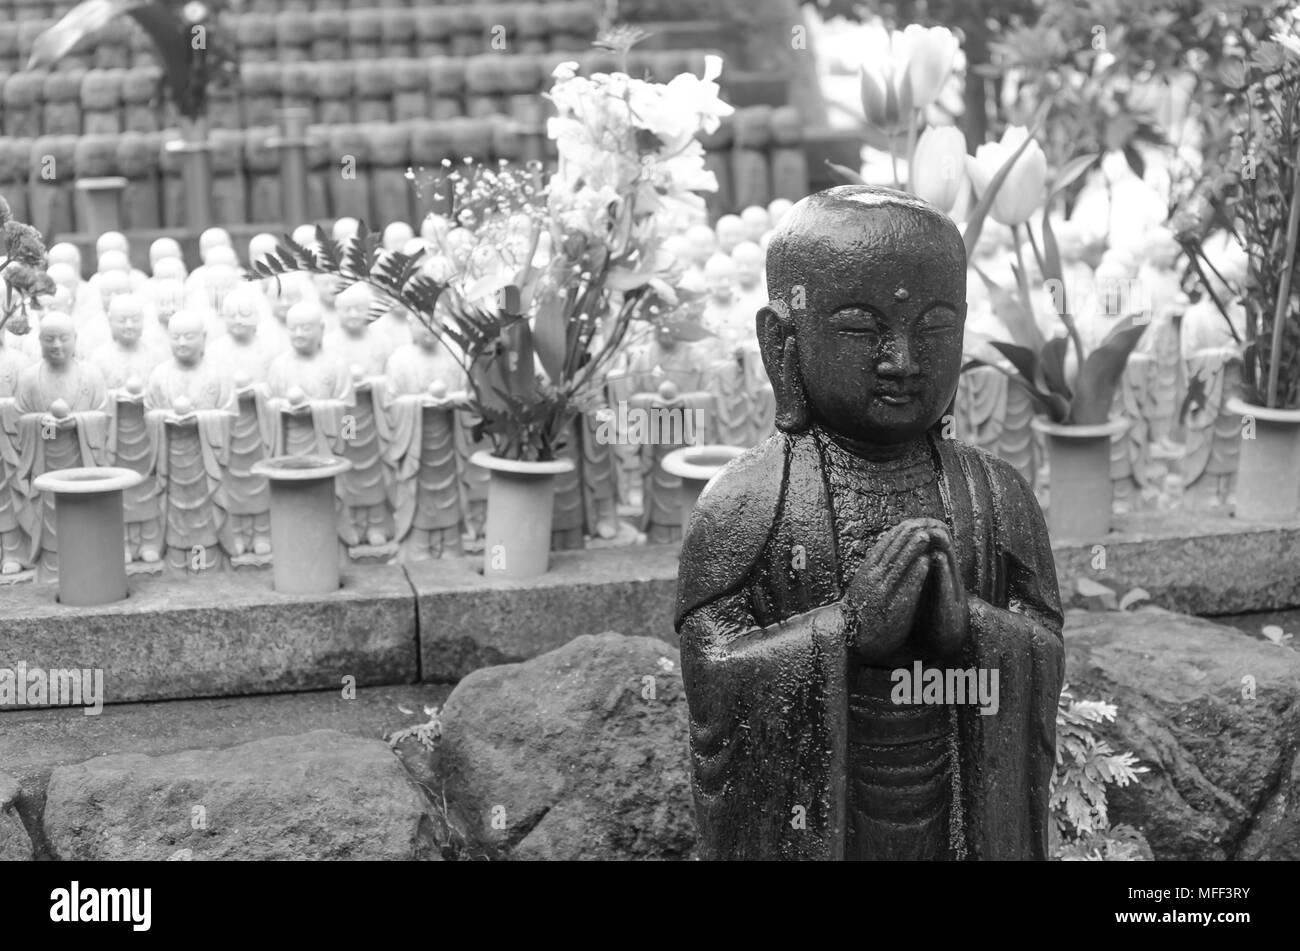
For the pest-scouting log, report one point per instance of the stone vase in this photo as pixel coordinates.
(91, 531)
(304, 526)
(1080, 483)
(696, 466)
(520, 510)
(1268, 475)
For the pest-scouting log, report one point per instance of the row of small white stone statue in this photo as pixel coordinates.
(191, 378)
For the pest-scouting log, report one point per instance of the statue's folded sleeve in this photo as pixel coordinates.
(767, 737)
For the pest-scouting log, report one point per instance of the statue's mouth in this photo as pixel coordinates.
(895, 399)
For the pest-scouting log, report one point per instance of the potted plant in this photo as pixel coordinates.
(194, 59)
(1010, 180)
(1074, 396)
(533, 282)
(1256, 193)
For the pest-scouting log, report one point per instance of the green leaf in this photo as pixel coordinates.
(550, 336)
(1052, 258)
(1026, 376)
(1094, 391)
(1011, 311)
(1052, 358)
(846, 175)
(1069, 173)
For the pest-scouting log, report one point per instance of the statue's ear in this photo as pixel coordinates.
(781, 358)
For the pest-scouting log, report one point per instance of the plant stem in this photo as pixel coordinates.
(1022, 276)
(911, 145)
(1284, 291)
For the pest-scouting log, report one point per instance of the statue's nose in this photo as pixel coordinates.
(896, 357)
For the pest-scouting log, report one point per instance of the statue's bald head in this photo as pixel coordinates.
(187, 332)
(854, 237)
(58, 338)
(869, 284)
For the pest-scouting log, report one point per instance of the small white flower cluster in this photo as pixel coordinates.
(631, 164)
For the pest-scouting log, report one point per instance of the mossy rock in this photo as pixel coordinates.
(298, 80)
(23, 89)
(787, 126)
(753, 126)
(141, 84)
(137, 153)
(364, 26)
(483, 74)
(15, 159)
(374, 79)
(227, 150)
(293, 28)
(351, 140)
(446, 75)
(104, 91)
(61, 148)
(96, 156)
(390, 143)
(63, 85)
(409, 75)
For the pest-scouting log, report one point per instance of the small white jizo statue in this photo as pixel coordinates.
(61, 402)
(12, 554)
(189, 407)
(424, 388)
(366, 488)
(310, 390)
(126, 362)
(243, 347)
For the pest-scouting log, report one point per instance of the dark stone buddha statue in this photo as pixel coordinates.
(857, 543)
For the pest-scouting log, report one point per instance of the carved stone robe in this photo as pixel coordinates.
(767, 683)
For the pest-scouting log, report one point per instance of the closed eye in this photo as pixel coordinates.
(855, 320)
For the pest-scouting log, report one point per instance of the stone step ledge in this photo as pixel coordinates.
(231, 635)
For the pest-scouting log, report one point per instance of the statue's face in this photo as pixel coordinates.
(878, 318)
(241, 321)
(58, 343)
(880, 369)
(721, 282)
(126, 325)
(305, 334)
(187, 339)
(327, 287)
(354, 314)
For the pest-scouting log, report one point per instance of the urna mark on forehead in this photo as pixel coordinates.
(865, 245)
